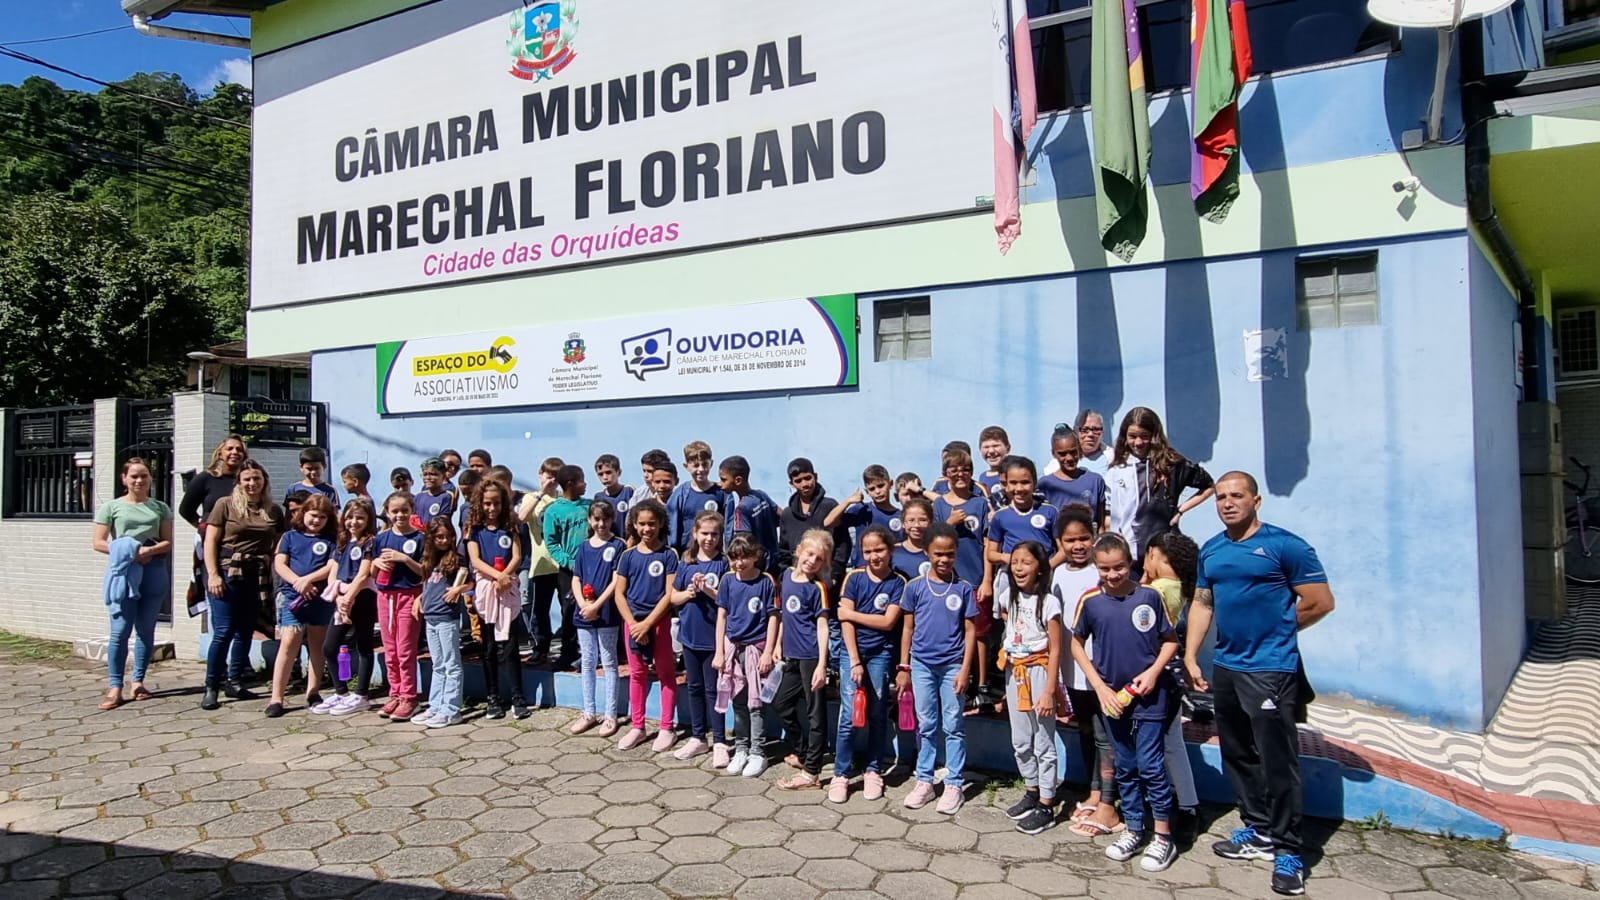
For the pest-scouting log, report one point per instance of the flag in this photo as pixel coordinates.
(1219, 64)
(1121, 127)
(1015, 112)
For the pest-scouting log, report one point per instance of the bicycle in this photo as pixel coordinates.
(1582, 550)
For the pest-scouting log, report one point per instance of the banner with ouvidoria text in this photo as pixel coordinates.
(777, 346)
(472, 139)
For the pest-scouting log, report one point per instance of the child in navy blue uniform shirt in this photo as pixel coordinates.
(749, 511)
(441, 623)
(1024, 518)
(691, 498)
(595, 615)
(699, 575)
(870, 505)
(747, 639)
(644, 580)
(910, 557)
(303, 567)
(608, 469)
(435, 499)
(803, 643)
(1133, 642)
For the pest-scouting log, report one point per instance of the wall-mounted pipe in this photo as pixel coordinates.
(143, 26)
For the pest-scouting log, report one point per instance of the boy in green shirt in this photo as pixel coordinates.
(566, 527)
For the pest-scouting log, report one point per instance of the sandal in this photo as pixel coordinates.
(801, 782)
(142, 693)
(1083, 811)
(1090, 828)
(112, 700)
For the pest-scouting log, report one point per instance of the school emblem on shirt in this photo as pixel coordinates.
(541, 39)
(711, 505)
(409, 547)
(319, 548)
(712, 579)
(754, 605)
(355, 552)
(880, 602)
(952, 602)
(572, 350)
(433, 508)
(622, 506)
(923, 569)
(972, 523)
(1144, 617)
(504, 542)
(894, 524)
(792, 604)
(1037, 520)
(656, 568)
(609, 554)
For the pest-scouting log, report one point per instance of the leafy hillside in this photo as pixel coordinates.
(124, 235)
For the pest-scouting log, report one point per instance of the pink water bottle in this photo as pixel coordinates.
(908, 710)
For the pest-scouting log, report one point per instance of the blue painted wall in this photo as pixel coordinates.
(1494, 411)
(1366, 447)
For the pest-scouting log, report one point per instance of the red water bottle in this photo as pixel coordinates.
(499, 563)
(858, 713)
(588, 592)
(908, 710)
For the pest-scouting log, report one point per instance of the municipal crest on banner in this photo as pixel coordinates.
(541, 38)
(572, 350)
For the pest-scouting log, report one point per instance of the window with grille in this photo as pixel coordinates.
(1578, 341)
(904, 329)
(1336, 291)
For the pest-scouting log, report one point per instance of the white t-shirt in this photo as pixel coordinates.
(1025, 631)
(1074, 583)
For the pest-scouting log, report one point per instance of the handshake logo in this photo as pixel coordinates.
(648, 352)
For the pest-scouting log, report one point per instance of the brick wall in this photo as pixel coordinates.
(1580, 425)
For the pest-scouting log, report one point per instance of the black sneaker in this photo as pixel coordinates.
(1020, 809)
(1288, 875)
(1040, 818)
(1186, 827)
(274, 710)
(235, 690)
(1159, 855)
(495, 711)
(520, 710)
(1243, 844)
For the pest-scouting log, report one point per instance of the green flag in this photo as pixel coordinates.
(1121, 127)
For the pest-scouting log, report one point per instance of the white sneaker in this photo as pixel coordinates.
(349, 704)
(736, 764)
(422, 718)
(444, 721)
(754, 766)
(325, 707)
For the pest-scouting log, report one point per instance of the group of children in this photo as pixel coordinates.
(991, 588)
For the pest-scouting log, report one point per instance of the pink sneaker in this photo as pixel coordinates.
(664, 740)
(720, 756)
(950, 801)
(692, 748)
(838, 790)
(584, 723)
(608, 727)
(920, 794)
(872, 786)
(635, 737)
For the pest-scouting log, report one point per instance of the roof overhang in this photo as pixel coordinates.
(155, 9)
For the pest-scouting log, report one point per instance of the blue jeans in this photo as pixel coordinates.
(444, 648)
(878, 668)
(701, 680)
(138, 617)
(939, 705)
(1141, 769)
(233, 621)
(601, 642)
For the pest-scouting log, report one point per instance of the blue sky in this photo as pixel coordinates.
(118, 53)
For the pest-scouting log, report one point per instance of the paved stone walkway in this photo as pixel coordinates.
(162, 801)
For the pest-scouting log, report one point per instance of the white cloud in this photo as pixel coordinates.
(229, 71)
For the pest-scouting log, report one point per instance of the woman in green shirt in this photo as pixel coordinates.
(148, 573)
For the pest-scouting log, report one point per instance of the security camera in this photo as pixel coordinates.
(1407, 185)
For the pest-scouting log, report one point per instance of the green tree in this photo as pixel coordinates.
(90, 308)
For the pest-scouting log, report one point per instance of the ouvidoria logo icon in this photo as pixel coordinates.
(648, 352)
(541, 39)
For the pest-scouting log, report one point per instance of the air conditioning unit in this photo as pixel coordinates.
(1578, 342)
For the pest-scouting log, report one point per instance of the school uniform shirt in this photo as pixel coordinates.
(350, 559)
(872, 598)
(685, 503)
(494, 545)
(910, 563)
(749, 604)
(622, 501)
(307, 553)
(969, 535)
(1128, 633)
(1008, 528)
(938, 636)
(648, 575)
(697, 619)
(862, 516)
(756, 515)
(803, 602)
(325, 489)
(1088, 489)
(990, 482)
(401, 577)
(430, 505)
(1074, 583)
(594, 567)
(1026, 630)
(434, 609)
(1252, 584)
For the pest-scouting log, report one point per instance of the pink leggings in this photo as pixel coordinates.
(660, 647)
(400, 632)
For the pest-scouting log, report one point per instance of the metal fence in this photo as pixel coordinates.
(49, 471)
(279, 423)
(145, 429)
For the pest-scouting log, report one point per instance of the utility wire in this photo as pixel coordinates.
(62, 37)
(34, 60)
(107, 142)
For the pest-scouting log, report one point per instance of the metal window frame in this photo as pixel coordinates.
(903, 306)
(1334, 259)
